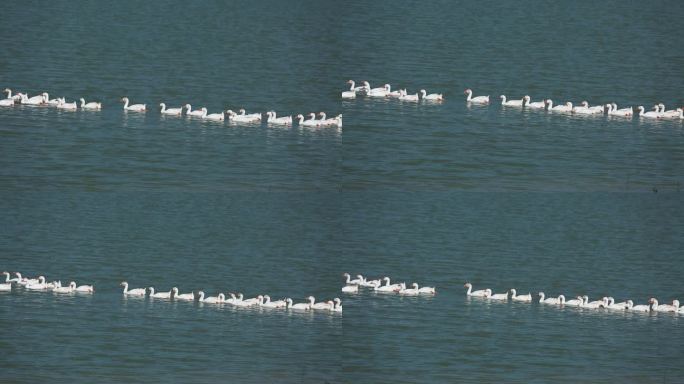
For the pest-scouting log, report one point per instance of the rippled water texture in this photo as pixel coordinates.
(438, 194)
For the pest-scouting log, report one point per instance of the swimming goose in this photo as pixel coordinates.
(572, 302)
(585, 109)
(350, 288)
(431, 97)
(7, 103)
(649, 114)
(170, 111)
(190, 113)
(512, 103)
(249, 302)
(163, 295)
(211, 299)
(594, 304)
(562, 108)
(394, 94)
(367, 90)
(82, 288)
(35, 100)
(185, 296)
(370, 283)
(8, 280)
(379, 92)
(68, 289)
(312, 122)
(671, 114)
(267, 303)
(272, 119)
(534, 104)
(426, 290)
(67, 106)
(405, 97)
(476, 99)
(388, 287)
(337, 305)
(496, 296)
(409, 291)
(25, 280)
(478, 293)
(132, 292)
(255, 116)
(351, 93)
(614, 111)
(319, 305)
(39, 286)
(550, 300)
(242, 118)
(298, 306)
(92, 106)
(358, 280)
(134, 107)
(214, 116)
(638, 308)
(14, 98)
(662, 307)
(53, 102)
(6, 287)
(523, 298)
(611, 304)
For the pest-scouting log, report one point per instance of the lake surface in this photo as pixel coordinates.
(438, 194)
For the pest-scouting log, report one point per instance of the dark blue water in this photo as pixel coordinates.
(437, 194)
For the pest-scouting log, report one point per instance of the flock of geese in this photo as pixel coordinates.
(610, 109)
(580, 301)
(352, 286)
(241, 117)
(236, 300)
(39, 284)
(386, 92)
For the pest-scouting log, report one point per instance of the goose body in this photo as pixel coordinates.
(267, 303)
(67, 289)
(82, 288)
(249, 302)
(522, 298)
(649, 114)
(534, 104)
(5, 287)
(426, 290)
(211, 299)
(388, 287)
(672, 114)
(573, 302)
(662, 307)
(477, 99)
(594, 304)
(478, 293)
(409, 291)
(312, 122)
(550, 300)
(67, 106)
(35, 100)
(370, 283)
(337, 305)
(512, 103)
(163, 295)
(196, 113)
(214, 116)
(7, 103)
(298, 306)
(585, 109)
(8, 280)
(319, 305)
(332, 122)
(53, 102)
(349, 281)
(272, 119)
(562, 108)
(92, 106)
(170, 111)
(611, 304)
(26, 281)
(39, 286)
(624, 112)
(350, 288)
(351, 93)
(242, 118)
(406, 97)
(638, 308)
(185, 296)
(496, 296)
(431, 97)
(134, 107)
(132, 292)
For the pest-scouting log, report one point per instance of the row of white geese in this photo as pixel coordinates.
(580, 301)
(202, 113)
(353, 285)
(236, 300)
(386, 92)
(584, 108)
(39, 284)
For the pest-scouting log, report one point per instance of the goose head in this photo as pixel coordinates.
(423, 92)
(468, 91)
(584, 103)
(124, 99)
(174, 290)
(72, 285)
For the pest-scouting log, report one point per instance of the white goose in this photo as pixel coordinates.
(394, 94)
(649, 114)
(53, 102)
(170, 111)
(249, 302)
(8, 280)
(426, 290)
(369, 283)
(562, 108)
(409, 291)
(638, 308)
(406, 97)
(349, 281)
(388, 287)
(39, 286)
(496, 296)
(319, 305)
(367, 90)
(337, 305)
(132, 292)
(611, 304)
(35, 100)
(190, 113)
(350, 288)
(14, 98)
(254, 116)
(476, 99)
(68, 289)
(211, 299)
(594, 304)
(134, 107)
(572, 302)
(478, 293)
(585, 109)
(671, 114)
(380, 92)
(214, 116)
(351, 93)
(92, 106)
(163, 295)
(312, 122)
(184, 296)
(550, 300)
(272, 119)
(298, 306)
(431, 97)
(614, 111)
(7, 102)
(6, 287)
(332, 122)
(512, 103)
(267, 303)
(25, 280)
(523, 298)
(662, 307)
(82, 288)
(67, 106)
(242, 118)
(534, 104)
